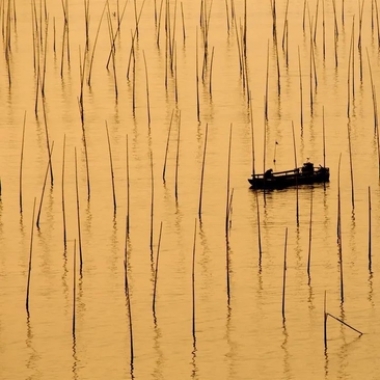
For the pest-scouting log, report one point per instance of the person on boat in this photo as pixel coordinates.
(268, 173)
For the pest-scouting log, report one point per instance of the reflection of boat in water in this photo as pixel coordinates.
(306, 175)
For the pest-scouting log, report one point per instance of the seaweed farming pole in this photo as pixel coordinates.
(369, 231)
(30, 260)
(74, 287)
(284, 275)
(325, 322)
(193, 279)
(202, 173)
(112, 173)
(310, 234)
(351, 166)
(228, 183)
(44, 187)
(295, 163)
(78, 213)
(167, 147)
(339, 231)
(156, 273)
(63, 192)
(127, 292)
(21, 161)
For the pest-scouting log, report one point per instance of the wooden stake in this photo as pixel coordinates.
(202, 172)
(22, 161)
(43, 189)
(193, 279)
(63, 192)
(112, 173)
(284, 275)
(369, 231)
(156, 272)
(30, 260)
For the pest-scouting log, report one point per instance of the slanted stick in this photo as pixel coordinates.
(112, 172)
(43, 189)
(147, 89)
(344, 323)
(295, 163)
(22, 161)
(284, 274)
(95, 43)
(63, 192)
(177, 158)
(128, 187)
(78, 213)
(301, 93)
(228, 183)
(351, 166)
(74, 286)
(30, 260)
(310, 235)
(202, 173)
(193, 279)
(369, 231)
(156, 272)
(340, 237)
(167, 147)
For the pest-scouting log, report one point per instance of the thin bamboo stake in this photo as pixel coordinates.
(167, 147)
(78, 214)
(310, 235)
(156, 272)
(43, 189)
(340, 237)
(193, 280)
(74, 286)
(128, 187)
(197, 77)
(325, 322)
(95, 43)
(351, 166)
(228, 183)
(284, 275)
(177, 158)
(128, 295)
(202, 173)
(346, 324)
(112, 172)
(369, 231)
(30, 260)
(147, 89)
(22, 161)
(296, 166)
(301, 97)
(63, 192)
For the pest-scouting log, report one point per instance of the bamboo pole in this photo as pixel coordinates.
(228, 183)
(156, 272)
(310, 235)
(43, 189)
(369, 230)
(112, 172)
(167, 147)
(177, 158)
(147, 90)
(63, 192)
(74, 287)
(284, 275)
(128, 186)
(78, 214)
(30, 260)
(202, 173)
(22, 162)
(127, 294)
(193, 280)
(296, 166)
(340, 237)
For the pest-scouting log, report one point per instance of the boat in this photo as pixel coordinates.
(308, 174)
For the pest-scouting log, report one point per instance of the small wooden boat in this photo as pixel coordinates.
(305, 175)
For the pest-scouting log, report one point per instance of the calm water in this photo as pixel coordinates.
(239, 334)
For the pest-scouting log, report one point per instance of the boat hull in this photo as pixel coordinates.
(290, 178)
